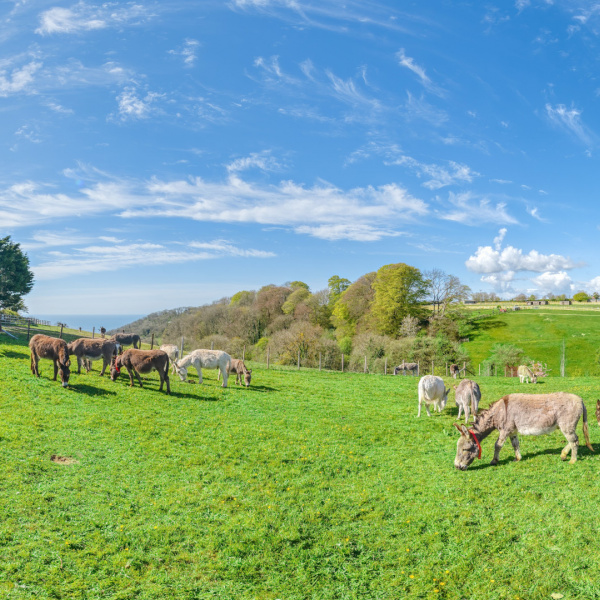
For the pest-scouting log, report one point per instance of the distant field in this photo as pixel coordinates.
(308, 485)
(540, 333)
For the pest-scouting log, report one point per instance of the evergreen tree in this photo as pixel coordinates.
(16, 279)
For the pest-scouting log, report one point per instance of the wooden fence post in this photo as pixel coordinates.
(268, 356)
(385, 366)
(446, 369)
(28, 329)
(152, 343)
(181, 349)
(212, 345)
(479, 369)
(93, 331)
(244, 353)
(365, 363)
(418, 367)
(432, 368)
(319, 361)
(342, 363)
(61, 331)
(298, 358)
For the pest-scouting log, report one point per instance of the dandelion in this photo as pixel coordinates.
(412, 576)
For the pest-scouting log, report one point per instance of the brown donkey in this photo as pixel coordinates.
(55, 349)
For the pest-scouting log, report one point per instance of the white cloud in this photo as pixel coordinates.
(500, 238)
(94, 259)
(257, 160)
(19, 80)
(322, 210)
(497, 260)
(83, 17)
(409, 63)
(438, 176)
(569, 120)
(594, 284)
(554, 282)
(471, 211)
(188, 52)
(133, 106)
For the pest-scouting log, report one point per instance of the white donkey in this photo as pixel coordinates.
(172, 352)
(207, 359)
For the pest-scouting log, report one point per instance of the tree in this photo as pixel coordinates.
(399, 291)
(581, 297)
(353, 306)
(445, 289)
(16, 279)
(337, 286)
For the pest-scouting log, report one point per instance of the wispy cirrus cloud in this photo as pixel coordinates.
(19, 79)
(82, 17)
(569, 120)
(188, 52)
(98, 258)
(133, 105)
(469, 209)
(263, 161)
(410, 64)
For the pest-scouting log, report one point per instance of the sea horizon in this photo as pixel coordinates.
(88, 322)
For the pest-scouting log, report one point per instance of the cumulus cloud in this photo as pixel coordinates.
(19, 79)
(188, 52)
(257, 160)
(491, 260)
(83, 17)
(556, 283)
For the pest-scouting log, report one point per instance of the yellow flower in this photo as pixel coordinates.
(412, 576)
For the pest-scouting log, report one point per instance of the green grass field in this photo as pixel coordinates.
(540, 333)
(308, 485)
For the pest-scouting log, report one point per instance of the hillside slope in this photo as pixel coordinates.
(540, 333)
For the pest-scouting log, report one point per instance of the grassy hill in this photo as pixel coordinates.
(540, 333)
(307, 485)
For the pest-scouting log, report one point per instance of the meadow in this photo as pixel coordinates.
(540, 333)
(307, 485)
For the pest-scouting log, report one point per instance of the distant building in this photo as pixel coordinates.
(565, 302)
(537, 302)
(469, 302)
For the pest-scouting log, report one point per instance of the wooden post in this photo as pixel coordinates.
(385, 366)
(212, 345)
(504, 370)
(152, 343)
(298, 358)
(495, 370)
(319, 361)
(28, 329)
(446, 369)
(365, 363)
(268, 356)
(464, 369)
(61, 331)
(479, 369)
(181, 349)
(93, 331)
(418, 368)
(244, 353)
(342, 363)
(432, 368)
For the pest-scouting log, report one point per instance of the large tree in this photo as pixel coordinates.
(444, 290)
(16, 279)
(399, 291)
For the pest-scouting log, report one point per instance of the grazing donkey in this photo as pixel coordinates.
(467, 392)
(432, 391)
(173, 353)
(207, 359)
(142, 361)
(412, 367)
(238, 367)
(527, 414)
(454, 371)
(88, 350)
(44, 346)
(525, 373)
(127, 338)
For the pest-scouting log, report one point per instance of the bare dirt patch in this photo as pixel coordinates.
(63, 460)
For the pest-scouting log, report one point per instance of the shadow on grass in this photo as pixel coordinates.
(13, 354)
(583, 452)
(90, 390)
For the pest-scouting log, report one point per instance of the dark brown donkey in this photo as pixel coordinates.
(127, 338)
(142, 361)
(55, 349)
(88, 350)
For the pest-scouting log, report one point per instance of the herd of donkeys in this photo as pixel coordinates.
(513, 414)
(134, 360)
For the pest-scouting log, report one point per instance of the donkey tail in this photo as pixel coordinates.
(586, 432)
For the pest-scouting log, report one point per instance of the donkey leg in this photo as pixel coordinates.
(573, 445)
(497, 447)
(55, 369)
(514, 440)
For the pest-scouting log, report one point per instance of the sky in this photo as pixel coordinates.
(166, 154)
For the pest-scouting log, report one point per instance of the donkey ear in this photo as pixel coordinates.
(462, 429)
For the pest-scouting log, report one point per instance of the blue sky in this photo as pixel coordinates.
(168, 154)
